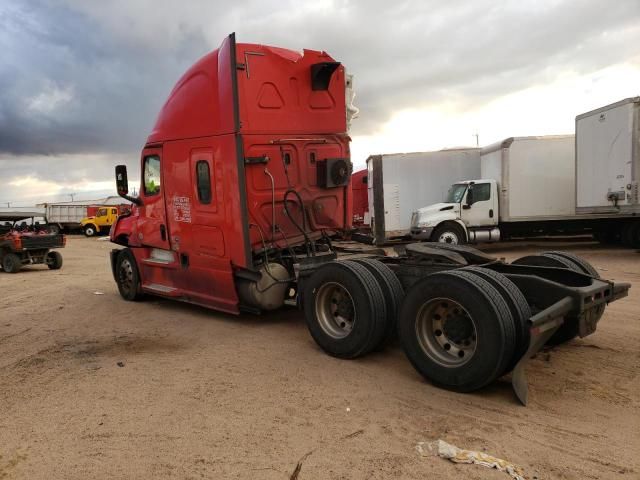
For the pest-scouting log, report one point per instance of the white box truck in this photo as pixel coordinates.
(608, 168)
(527, 188)
(400, 183)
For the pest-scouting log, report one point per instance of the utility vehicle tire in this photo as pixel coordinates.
(90, 230)
(11, 263)
(391, 290)
(518, 306)
(127, 276)
(449, 233)
(344, 309)
(54, 260)
(450, 312)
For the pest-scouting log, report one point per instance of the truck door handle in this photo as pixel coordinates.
(163, 232)
(491, 213)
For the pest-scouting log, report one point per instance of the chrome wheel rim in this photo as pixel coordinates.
(448, 237)
(125, 275)
(335, 310)
(446, 332)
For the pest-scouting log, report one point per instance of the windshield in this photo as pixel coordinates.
(456, 192)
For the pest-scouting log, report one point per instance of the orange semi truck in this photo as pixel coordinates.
(245, 176)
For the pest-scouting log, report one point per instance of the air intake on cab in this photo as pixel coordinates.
(333, 172)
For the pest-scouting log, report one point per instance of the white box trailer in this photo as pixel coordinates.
(608, 159)
(535, 176)
(400, 183)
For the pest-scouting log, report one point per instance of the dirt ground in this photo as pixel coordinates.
(92, 386)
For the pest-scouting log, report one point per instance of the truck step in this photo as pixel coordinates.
(162, 289)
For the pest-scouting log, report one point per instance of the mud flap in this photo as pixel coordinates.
(543, 325)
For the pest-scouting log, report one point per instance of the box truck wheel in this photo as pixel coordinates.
(344, 309)
(518, 306)
(391, 289)
(54, 260)
(89, 230)
(53, 228)
(457, 330)
(127, 276)
(11, 263)
(449, 233)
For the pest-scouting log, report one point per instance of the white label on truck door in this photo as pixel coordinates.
(182, 209)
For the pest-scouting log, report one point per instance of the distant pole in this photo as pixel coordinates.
(477, 135)
(72, 195)
(8, 204)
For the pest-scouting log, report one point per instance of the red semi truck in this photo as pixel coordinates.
(245, 175)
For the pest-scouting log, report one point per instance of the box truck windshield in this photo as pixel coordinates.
(456, 193)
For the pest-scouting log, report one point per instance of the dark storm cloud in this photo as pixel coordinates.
(89, 77)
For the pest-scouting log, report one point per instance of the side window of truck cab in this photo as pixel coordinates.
(481, 192)
(151, 175)
(203, 181)
(102, 212)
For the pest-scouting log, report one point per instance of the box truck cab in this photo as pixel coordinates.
(469, 213)
(101, 222)
(527, 188)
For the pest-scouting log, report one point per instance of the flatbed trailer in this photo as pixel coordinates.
(244, 178)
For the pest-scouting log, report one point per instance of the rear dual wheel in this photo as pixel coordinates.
(457, 330)
(558, 259)
(351, 306)
(392, 292)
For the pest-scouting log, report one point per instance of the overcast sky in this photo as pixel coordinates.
(81, 81)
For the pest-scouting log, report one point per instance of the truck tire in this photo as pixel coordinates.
(344, 309)
(90, 230)
(581, 263)
(545, 260)
(54, 260)
(391, 290)
(11, 263)
(53, 228)
(570, 327)
(518, 306)
(127, 276)
(450, 312)
(449, 233)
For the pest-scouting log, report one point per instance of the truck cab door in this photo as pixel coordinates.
(479, 206)
(152, 227)
(111, 218)
(102, 217)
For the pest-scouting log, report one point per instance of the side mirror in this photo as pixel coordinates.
(470, 196)
(122, 183)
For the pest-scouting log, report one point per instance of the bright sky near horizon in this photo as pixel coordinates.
(81, 82)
